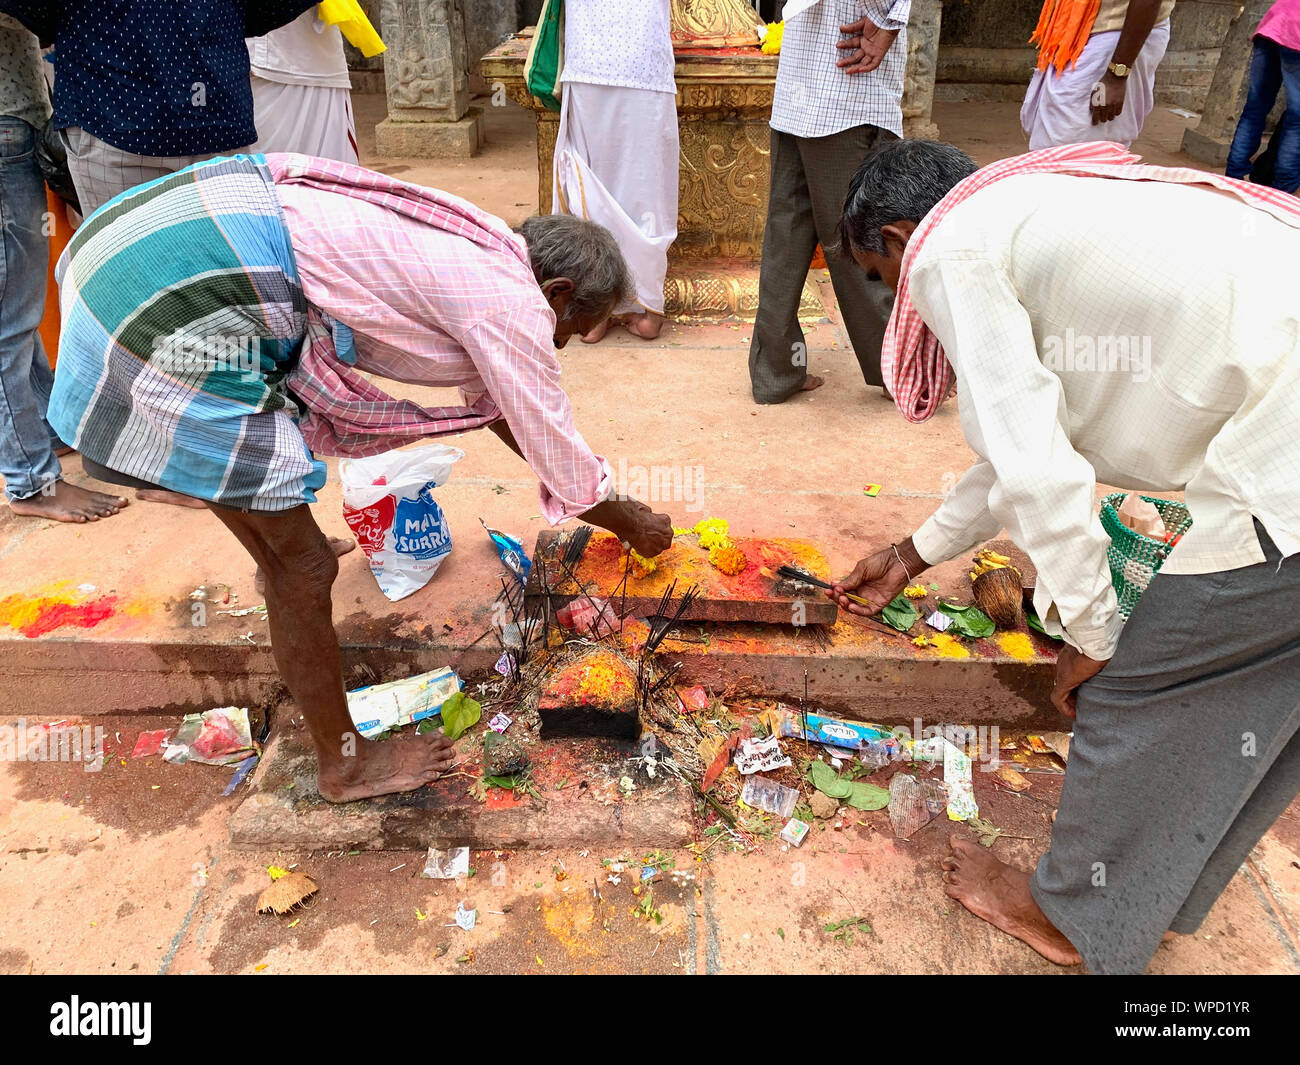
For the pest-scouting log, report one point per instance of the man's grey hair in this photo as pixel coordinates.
(560, 245)
(899, 181)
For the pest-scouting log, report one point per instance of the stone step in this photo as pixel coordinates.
(579, 804)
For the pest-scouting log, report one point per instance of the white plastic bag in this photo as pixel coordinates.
(388, 503)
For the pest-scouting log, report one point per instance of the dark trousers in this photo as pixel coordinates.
(1272, 67)
(810, 178)
(1186, 749)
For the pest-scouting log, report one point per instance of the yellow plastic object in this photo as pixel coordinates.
(353, 24)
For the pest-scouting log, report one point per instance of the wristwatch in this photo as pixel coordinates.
(1120, 70)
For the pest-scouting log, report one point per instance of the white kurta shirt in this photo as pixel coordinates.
(1033, 286)
(814, 97)
(627, 43)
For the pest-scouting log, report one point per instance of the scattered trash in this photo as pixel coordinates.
(465, 917)
(446, 865)
(957, 782)
(380, 707)
(694, 699)
(872, 490)
(761, 756)
(939, 620)
(241, 771)
(913, 804)
(500, 722)
(626, 786)
(388, 503)
(794, 833)
(1059, 742)
(286, 893)
(511, 552)
(220, 736)
(588, 614)
(768, 795)
(1013, 780)
(506, 663)
(147, 744)
(873, 744)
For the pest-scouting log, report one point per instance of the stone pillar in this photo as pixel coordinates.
(922, 61)
(425, 70)
(1209, 141)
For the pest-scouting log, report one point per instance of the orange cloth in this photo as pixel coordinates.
(1064, 27)
(58, 241)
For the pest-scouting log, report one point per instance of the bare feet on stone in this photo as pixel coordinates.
(338, 545)
(999, 894)
(175, 499)
(644, 325)
(597, 334)
(67, 502)
(400, 763)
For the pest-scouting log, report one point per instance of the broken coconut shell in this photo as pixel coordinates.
(287, 893)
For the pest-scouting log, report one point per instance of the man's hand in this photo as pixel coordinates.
(865, 47)
(1072, 669)
(1109, 102)
(634, 523)
(878, 579)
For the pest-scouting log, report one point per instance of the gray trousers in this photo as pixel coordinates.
(1185, 752)
(810, 179)
(100, 171)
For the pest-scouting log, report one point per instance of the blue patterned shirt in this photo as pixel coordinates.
(155, 77)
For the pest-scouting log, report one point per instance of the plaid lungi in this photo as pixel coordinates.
(182, 315)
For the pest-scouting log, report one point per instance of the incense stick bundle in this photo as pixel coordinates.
(792, 574)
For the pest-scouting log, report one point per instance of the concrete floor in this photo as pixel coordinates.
(130, 869)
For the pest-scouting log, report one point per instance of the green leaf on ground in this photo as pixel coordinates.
(900, 614)
(969, 621)
(459, 713)
(855, 793)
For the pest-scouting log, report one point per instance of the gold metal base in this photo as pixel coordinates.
(719, 292)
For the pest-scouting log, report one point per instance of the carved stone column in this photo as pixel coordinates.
(425, 70)
(922, 60)
(1210, 140)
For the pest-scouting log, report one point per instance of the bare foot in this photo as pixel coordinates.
(176, 499)
(400, 763)
(67, 502)
(999, 894)
(645, 325)
(339, 546)
(597, 334)
(812, 382)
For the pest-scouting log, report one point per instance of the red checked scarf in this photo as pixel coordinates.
(915, 369)
(345, 413)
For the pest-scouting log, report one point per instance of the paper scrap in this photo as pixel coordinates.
(446, 865)
(957, 781)
(760, 756)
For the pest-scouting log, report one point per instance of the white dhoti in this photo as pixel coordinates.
(311, 119)
(616, 163)
(1058, 107)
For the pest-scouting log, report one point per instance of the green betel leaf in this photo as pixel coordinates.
(900, 614)
(1036, 624)
(859, 795)
(969, 621)
(459, 713)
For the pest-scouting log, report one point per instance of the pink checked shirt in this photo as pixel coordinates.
(430, 307)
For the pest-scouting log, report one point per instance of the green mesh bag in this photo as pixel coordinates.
(1134, 559)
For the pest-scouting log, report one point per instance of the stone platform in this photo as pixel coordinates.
(579, 804)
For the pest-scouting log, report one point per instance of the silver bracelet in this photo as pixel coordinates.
(902, 563)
